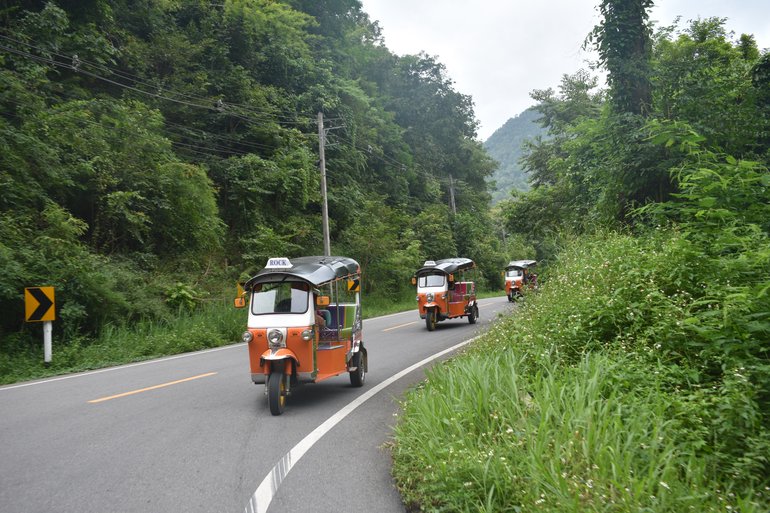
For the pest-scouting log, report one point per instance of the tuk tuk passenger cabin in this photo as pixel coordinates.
(440, 293)
(304, 324)
(518, 273)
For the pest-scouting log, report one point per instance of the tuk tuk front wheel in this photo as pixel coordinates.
(473, 315)
(276, 391)
(358, 376)
(430, 319)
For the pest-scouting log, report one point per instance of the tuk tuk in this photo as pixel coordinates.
(518, 274)
(304, 324)
(442, 295)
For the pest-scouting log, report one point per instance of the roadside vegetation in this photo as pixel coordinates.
(638, 377)
(213, 324)
(617, 387)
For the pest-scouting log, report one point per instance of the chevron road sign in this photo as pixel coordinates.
(39, 304)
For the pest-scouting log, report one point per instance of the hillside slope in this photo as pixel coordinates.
(505, 146)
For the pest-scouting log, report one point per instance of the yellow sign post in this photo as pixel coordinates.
(40, 306)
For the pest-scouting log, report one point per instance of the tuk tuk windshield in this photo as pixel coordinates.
(284, 297)
(431, 280)
(512, 273)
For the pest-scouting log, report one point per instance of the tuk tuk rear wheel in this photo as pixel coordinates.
(276, 391)
(473, 315)
(358, 376)
(430, 319)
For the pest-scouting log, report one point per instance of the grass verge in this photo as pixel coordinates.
(214, 324)
(584, 401)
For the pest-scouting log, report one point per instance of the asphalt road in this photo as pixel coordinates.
(192, 433)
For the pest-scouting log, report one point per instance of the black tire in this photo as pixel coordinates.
(276, 390)
(473, 315)
(430, 319)
(358, 376)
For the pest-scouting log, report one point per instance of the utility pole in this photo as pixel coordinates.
(322, 164)
(452, 195)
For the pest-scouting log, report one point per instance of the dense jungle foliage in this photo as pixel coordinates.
(154, 152)
(638, 377)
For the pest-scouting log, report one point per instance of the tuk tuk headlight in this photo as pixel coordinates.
(307, 335)
(247, 336)
(429, 296)
(275, 338)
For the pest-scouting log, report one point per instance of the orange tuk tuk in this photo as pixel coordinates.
(441, 294)
(304, 324)
(518, 273)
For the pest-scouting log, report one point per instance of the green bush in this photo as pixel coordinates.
(592, 397)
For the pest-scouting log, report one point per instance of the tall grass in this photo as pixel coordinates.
(584, 401)
(507, 433)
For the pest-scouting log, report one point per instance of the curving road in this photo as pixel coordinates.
(191, 433)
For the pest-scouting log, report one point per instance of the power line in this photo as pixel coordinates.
(74, 63)
(191, 147)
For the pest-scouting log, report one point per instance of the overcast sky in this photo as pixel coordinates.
(498, 51)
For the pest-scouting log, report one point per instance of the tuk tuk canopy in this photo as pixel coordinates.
(446, 266)
(315, 270)
(520, 264)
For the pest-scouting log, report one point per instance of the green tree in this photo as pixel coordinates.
(433, 228)
(623, 40)
(701, 77)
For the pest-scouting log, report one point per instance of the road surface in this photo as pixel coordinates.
(192, 433)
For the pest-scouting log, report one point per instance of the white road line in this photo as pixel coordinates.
(262, 498)
(110, 369)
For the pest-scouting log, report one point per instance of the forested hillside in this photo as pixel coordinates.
(155, 152)
(507, 146)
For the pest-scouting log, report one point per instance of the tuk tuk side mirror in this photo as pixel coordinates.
(414, 280)
(323, 301)
(240, 296)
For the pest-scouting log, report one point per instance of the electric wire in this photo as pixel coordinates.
(202, 150)
(218, 107)
(74, 63)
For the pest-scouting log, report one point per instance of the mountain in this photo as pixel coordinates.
(505, 146)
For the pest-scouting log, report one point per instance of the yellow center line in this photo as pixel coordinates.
(151, 388)
(400, 326)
